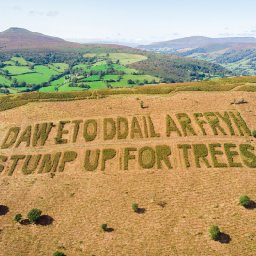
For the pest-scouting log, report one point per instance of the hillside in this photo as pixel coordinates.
(19, 38)
(202, 42)
(178, 69)
(177, 202)
(237, 54)
(35, 62)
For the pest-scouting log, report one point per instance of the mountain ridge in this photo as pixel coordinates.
(199, 41)
(16, 38)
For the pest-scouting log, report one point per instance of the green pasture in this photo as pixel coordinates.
(18, 70)
(92, 78)
(59, 81)
(111, 77)
(59, 67)
(126, 58)
(4, 81)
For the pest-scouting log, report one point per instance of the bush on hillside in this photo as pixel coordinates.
(245, 201)
(135, 207)
(104, 227)
(34, 215)
(214, 232)
(18, 217)
(59, 254)
(254, 133)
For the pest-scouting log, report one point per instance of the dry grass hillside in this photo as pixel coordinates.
(177, 205)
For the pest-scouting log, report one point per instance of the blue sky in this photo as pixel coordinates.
(131, 20)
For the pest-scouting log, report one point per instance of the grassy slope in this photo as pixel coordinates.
(228, 84)
(180, 205)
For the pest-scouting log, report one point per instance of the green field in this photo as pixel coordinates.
(228, 84)
(18, 70)
(125, 58)
(59, 81)
(4, 81)
(93, 71)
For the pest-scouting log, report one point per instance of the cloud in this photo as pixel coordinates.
(47, 14)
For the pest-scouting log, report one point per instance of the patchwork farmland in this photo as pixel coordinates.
(96, 71)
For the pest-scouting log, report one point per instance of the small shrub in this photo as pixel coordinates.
(214, 232)
(135, 207)
(34, 215)
(104, 227)
(18, 217)
(245, 201)
(254, 133)
(59, 254)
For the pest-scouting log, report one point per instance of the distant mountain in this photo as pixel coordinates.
(238, 54)
(201, 41)
(20, 38)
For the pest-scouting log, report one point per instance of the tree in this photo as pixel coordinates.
(104, 227)
(130, 81)
(245, 201)
(18, 217)
(214, 232)
(34, 215)
(59, 254)
(135, 207)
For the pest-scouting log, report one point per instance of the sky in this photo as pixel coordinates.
(138, 21)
